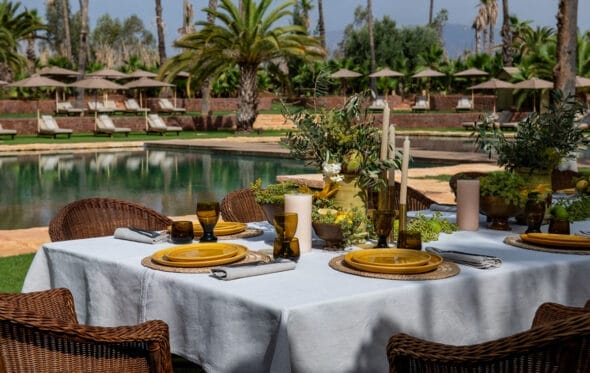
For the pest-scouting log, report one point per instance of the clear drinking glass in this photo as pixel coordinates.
(285, 244)
(208, 215)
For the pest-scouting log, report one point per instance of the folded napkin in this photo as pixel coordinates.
(250, 269)
(442, 207)
(473, 260)
(135, 235)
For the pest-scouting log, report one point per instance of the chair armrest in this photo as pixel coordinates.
(550, 312)
(57, 303)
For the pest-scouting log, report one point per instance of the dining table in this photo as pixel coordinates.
(313, 318)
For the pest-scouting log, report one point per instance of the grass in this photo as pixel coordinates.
(14, 270)
(443, 177)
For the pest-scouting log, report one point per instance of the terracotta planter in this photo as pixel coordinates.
(498, 211)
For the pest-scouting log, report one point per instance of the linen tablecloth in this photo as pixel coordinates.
(313, 318)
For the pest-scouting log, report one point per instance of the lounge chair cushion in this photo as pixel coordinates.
(156, 122)
(166, 104)
(104, 121)
(48, 122)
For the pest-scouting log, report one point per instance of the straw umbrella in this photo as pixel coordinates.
(428, 73)
(471, 73)
(493, 84)
(57, 71)
(146, 83)
(142, 74)
(96, 83)
(36, 81)
(385, 73)
(344, 74)
(109, 74)
(536, 84)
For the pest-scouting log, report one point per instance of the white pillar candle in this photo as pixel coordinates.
(301, 204)
(391, 137)
(468, 205)
(385, 133)
(405, 163)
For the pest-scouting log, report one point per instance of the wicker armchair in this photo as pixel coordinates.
(240, 205)
(549, 346)
(35, 339)
(416, 200)
(95, 217)
(550, 312)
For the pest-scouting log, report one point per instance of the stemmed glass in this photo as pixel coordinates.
(208, 215)
(383, 223)
(285, 244)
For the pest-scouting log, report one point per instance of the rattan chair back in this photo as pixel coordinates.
(470, 175)
(416, 200)
(39, 333)
(240, 205)
(96, 217)
(551, 346)
(563, 179)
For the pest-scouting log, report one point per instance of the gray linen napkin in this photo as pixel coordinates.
(473, 260)
(130, 235)
(251, 269)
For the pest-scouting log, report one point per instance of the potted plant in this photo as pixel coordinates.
(345, 145)
(541, 141)
(272, 198)
(502, 195)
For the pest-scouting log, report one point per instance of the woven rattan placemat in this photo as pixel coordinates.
(516, 241)
(252, 256)
(248, 233)
(446, 269)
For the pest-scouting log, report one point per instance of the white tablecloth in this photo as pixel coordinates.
(313, 318)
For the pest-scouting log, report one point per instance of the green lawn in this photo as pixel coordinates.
(14, 270)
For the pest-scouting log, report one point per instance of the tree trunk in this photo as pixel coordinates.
(564, 72)
(506, 35)
(321, 24)
(373, 84)
(83, 47)
(31, 55)
(160, 28)
(248, 97)
(205, 87)
(430, 12)
(67, 44)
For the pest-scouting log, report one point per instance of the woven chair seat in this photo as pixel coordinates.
(96, 217)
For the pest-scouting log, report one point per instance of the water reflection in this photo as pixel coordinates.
(36, 186)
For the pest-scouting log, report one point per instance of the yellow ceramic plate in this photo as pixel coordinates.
(562, 240)
(391, 257)
(431, 265)
(222, 228)
(160, 258)
(202, 251)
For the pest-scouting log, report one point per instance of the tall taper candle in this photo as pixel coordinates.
(405, 163)
(391, 138)
(385, 133)
(301, 204)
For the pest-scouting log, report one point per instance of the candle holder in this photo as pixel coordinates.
(403, 216)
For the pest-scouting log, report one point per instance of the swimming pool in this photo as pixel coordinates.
(35, 187)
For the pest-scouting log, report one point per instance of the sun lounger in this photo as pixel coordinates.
(167, 107)
(104, 125)
(421, 104)
(67, 108)
(112, 105)
(7, 132)
(584, 121)
(512, 122)
(155, 124)
(133, 107)
(99, 107)
(47, 126)
(464, 104)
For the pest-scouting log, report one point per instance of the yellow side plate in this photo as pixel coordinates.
(160, 258)
(561, 240)
(431, 265)
(391, 257)
(222, 228)
(202, 251)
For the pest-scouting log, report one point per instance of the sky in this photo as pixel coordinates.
(337, 13)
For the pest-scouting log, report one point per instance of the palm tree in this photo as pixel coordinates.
(491, 7)
(65, 5)
(301, 13)
(160, 28)
(246, 39)
(83, 46)
(373, 84)
(564, 72)
(479, 25)
(206, 86)
(430, 12)
(506, 35)
(321, 24)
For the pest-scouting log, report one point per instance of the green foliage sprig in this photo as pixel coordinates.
(541, 140)
(505, 184)
(273, 193)
(340, 135)
(431, 227)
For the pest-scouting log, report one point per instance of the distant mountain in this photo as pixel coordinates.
(458, 38)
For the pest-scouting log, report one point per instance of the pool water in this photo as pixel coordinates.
(35, 187)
